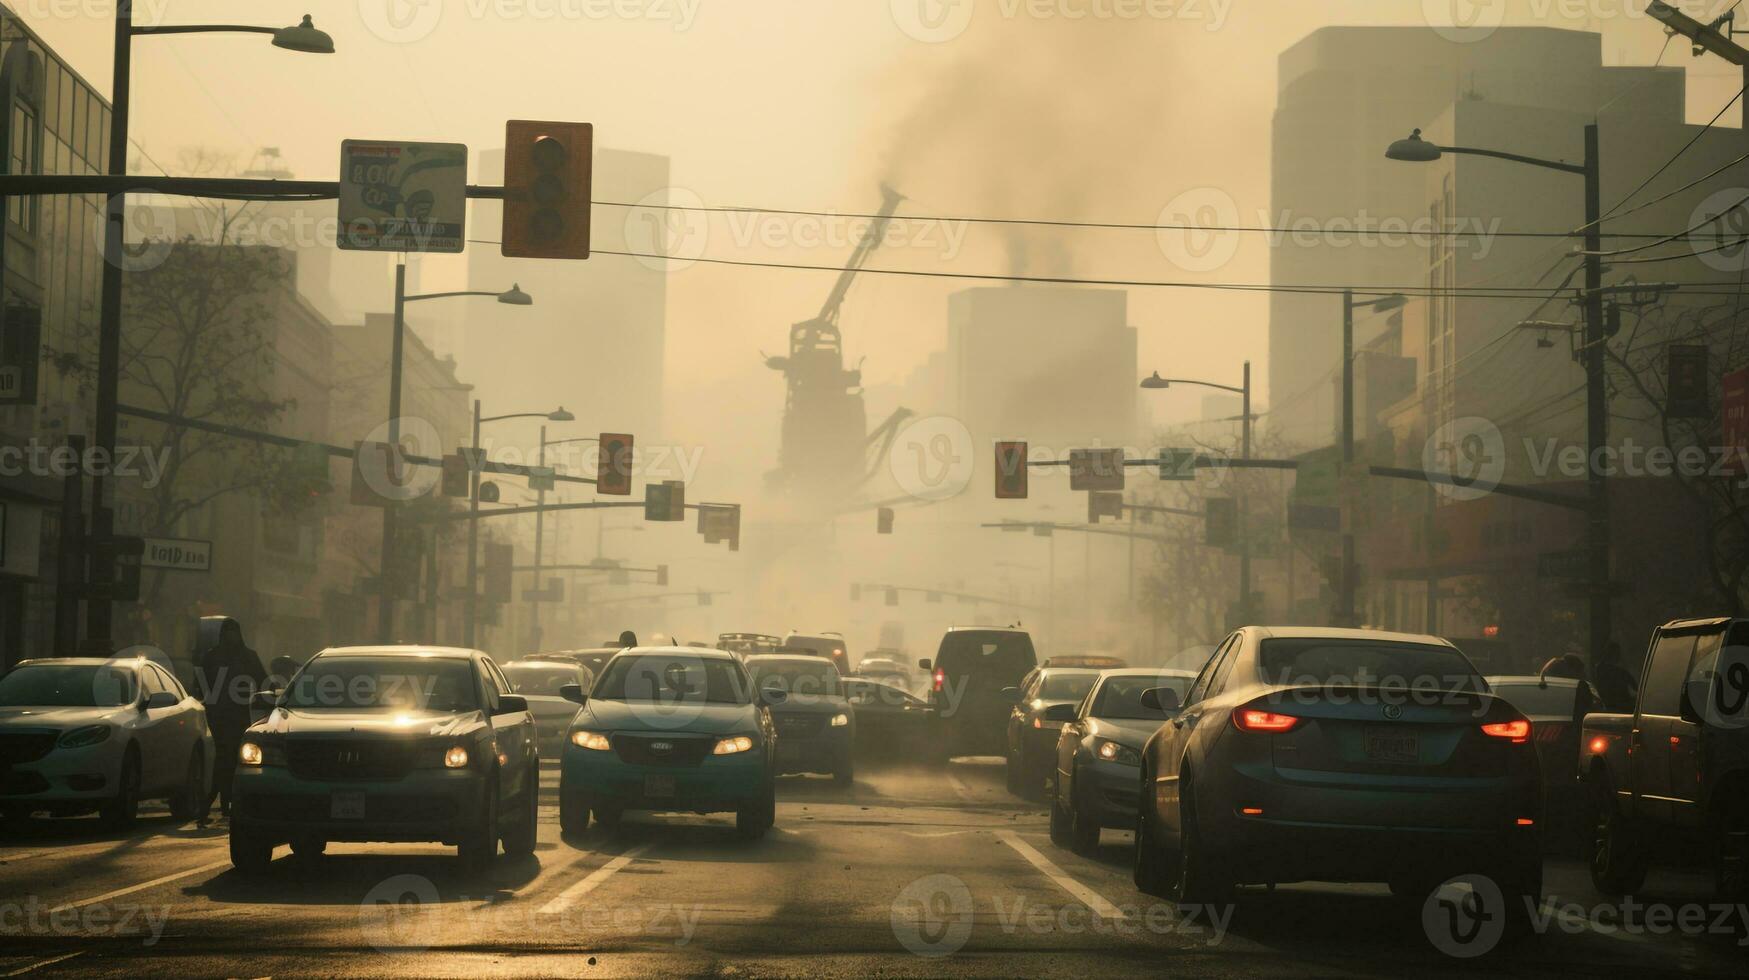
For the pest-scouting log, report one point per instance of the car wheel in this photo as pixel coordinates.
(192, 801)
(1152, 868)
(573, 814)
(1083, 829)
(479, 848)
(119, 811)
(519, 840)
(1199, 879)
(250, 852)
(1062, 821)
(1618, 862)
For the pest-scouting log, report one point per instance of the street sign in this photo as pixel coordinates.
(177, 554)
(1096, 469)
(541, 477)
(1104, 503)
(613, 474)
(403, 197)
(455, 476)
(1178, 464)
(1011, 482)
(20, 354)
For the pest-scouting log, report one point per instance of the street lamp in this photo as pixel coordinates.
(1156, 383)
(514, 296)
(302, 37)
(1382, 304)
(470, 607)
(1417, 150)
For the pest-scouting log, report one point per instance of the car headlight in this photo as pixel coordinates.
(590, 740)
(840, 720)
(456, 757)
(250, 754)
(78, 738)
(1110, 751)
(739, 743)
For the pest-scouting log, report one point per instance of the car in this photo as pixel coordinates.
(885, 670)
(828, 645)
(1098, 749)
(1670, 778)
(390, 744)
(670, 729)
(968, 674)
(1556, 707)
(1097, 661)
(748, 644)
(1031, 741)
(80, 734)
(893, 726)
(541, 683)
(1338, 755)
(591, 659)
(816, 730)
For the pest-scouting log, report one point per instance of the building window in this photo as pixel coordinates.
(21, 210)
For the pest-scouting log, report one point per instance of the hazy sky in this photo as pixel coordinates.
(1055, 108)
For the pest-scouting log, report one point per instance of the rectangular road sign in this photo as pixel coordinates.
(1178, 464)
(403, 197)
(177, 554)
(1096, 469)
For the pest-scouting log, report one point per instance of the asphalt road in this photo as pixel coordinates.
(909, 873)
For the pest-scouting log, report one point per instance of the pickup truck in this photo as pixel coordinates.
(1671, 779)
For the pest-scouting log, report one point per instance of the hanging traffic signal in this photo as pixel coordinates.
(1011, 471)
(613, 469)
(1222, 522)
(547, 173)
(884, 521)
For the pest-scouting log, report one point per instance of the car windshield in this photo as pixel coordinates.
(1366, 663)
(1121, 697)
(797, 676)
(67, 686)
(384, 683)
(989, 660)
(1066, 687)
(663, 678)
(533, 679)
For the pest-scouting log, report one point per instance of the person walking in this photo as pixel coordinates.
(231, 673)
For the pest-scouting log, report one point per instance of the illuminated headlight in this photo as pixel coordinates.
(1038, 722)
(730, 746)
(78, 738)
(590, 740)
(1110, 751)
(840, 720)
(250, 754)
(456, 757)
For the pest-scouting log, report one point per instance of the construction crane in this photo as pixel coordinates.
(827, 450)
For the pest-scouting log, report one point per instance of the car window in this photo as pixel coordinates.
(171, 684)
(543, 680)
(666, 678)
(491, 685)
(798, 677)
(1535, 700)
(1661, 689)
(1224, 669)
(1065, 687)
(1310, 661)
(385, 683)
(1199, 689)
(150, 682)
(1121, 697)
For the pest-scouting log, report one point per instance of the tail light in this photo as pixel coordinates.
(1518, 730)
(1267, 722)
(940, 678)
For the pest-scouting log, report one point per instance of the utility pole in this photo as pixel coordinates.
(1244, 525)
(397, 344)
(539, 526)
(1596, 404)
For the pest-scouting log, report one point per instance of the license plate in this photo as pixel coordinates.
(346, 806)
(1385, 745)
(659, 786)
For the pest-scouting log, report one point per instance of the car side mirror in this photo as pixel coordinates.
(573, 693)
(1161, 699)
(511, 704)
(1060, 713)
(925, 664)
(1011, 695)
(161, 699)
(265, 700)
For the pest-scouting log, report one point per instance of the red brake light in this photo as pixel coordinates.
(940, 678)
(1599, 745)
(1518, 730)
(1268, 722)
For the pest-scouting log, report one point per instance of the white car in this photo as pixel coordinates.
(83, 734)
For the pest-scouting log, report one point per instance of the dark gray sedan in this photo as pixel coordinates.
(1093, 785)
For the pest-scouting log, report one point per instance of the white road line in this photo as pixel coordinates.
(142, 886)
(961, 788)
(569, 896)
(1086, 896)
(39, 964)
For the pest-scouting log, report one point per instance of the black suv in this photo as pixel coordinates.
(970, 671)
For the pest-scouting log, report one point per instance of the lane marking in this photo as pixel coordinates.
(142, 886)
(39, 964)
(569, 896)
(961, 788)
(1086, 896)
(541, 880)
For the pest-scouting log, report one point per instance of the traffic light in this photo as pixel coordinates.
(455, 476)
(613, 472)
(1685, 394)
(1011, 471)
(656, 501)
(1223, 522)
(547, 172)
(884, 521)
(661, 574)
(1096, 469)
(500, 558)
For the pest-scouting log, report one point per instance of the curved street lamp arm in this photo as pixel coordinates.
(463, 292)
(1206, 384)
(203, 29)
(517, 415)
(1571, 168)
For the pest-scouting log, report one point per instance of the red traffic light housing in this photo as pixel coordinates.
(1011, 471)
(613, 470)
(547, 175)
